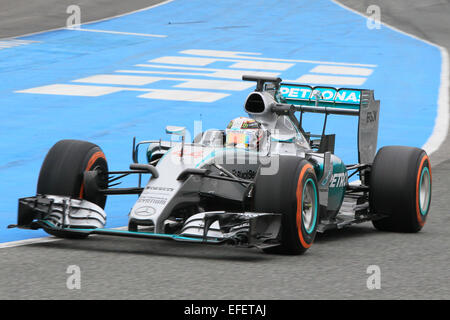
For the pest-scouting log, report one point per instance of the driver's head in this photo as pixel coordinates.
(244, 133)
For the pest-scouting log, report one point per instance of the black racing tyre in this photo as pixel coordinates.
(292, 192)
(400, 188)
(62, 174)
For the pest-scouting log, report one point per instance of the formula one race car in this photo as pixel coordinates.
(263, 182)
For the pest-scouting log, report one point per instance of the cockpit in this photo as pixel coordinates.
(250, 135)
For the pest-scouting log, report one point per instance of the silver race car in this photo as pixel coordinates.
(262, 182)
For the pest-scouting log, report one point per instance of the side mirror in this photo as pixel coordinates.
(178, 131)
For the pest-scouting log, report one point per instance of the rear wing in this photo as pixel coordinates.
(328, 100)
(345, 101)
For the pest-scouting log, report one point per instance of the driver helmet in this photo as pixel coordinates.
(244, 133)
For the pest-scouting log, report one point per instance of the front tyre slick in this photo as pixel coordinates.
(292, 192)
(62, 174)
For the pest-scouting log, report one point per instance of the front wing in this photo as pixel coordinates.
(81, 217)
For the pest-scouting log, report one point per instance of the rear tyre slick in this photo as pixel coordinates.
(292, 192)
(62, 174)
(401, 185)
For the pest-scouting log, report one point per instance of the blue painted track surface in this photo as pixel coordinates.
(405, 76)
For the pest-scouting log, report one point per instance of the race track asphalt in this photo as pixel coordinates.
(413, 266)
(20, 17)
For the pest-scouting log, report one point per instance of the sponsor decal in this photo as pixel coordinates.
(145, 211)
(299, 92)
(153, 200)
(339, 180)
(160, 188)
(371, 116)
(348, 96)
(248, 175)
(296, 92)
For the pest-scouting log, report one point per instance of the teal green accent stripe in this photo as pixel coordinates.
(423, 213)
(209, 156)
(315, 202)
(282, 140)
(159, 235)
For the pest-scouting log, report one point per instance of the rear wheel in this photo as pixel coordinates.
(62, 174)
(401, 188)
(292, 192)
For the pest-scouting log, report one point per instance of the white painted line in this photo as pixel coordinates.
(14, 43)
(215, 84)
(174, 73)
(19, 243)
(78, 90)
(234, 54)
(174, 67)
(72, 90)
(441, 124)
(119, 79)
(119, 32)
(261, 65)
(190, 61)
(163, 94)
(96, 21)
(219, 53)
(342, 70)
(227, 74)
(181, 95)
(187, 83)
(237, 74)
(219, 73)
(242, 64)
(329, 80)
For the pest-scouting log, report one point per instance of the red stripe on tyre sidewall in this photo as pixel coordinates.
(422, 162)
(91, 162)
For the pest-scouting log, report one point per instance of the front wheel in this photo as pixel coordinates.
(400, 184)
(62, 174)
(292, 192)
